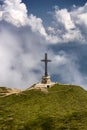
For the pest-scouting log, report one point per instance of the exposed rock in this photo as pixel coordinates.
(8, 91)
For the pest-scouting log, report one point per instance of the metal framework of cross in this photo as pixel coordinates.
(46, 60)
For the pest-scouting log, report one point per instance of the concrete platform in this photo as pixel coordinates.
(45, 83)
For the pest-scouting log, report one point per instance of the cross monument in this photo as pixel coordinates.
(46, 60)
(46, 78)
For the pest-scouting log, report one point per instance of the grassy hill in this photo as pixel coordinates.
(8, 91)
(3, 91)
(64, 107)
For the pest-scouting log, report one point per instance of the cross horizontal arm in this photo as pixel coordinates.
(49, 60)
(46, 60)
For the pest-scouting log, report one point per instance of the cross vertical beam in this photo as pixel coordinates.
(46, 60)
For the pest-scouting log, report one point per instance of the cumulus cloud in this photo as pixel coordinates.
(80, 14)
(36, 25)
(63, 17)
(20, 55)
(68, 69)
(23, 40)
(70, 25)
(15, 12)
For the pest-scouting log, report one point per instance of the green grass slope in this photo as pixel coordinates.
(64, 107)
(3, 91)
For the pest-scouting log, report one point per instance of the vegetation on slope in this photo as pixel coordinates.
(3, 91)
(8, 91)
(64, 107)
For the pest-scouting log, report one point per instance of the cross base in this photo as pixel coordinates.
(46, 80)
(45, 83)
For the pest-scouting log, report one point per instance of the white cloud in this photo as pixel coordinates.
(36, 25)
(79, 16)
(15, 12)
(68, 69)
(20, 55)
(23, 40)
(63, 18)
(70, 26)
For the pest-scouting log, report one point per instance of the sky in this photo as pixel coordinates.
(28, 29)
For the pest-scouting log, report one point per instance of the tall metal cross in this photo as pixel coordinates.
(46, 60)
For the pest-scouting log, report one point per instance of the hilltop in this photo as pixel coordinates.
(63, 107)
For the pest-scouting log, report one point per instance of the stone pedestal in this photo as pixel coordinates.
(46, 80)
(45, 83)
